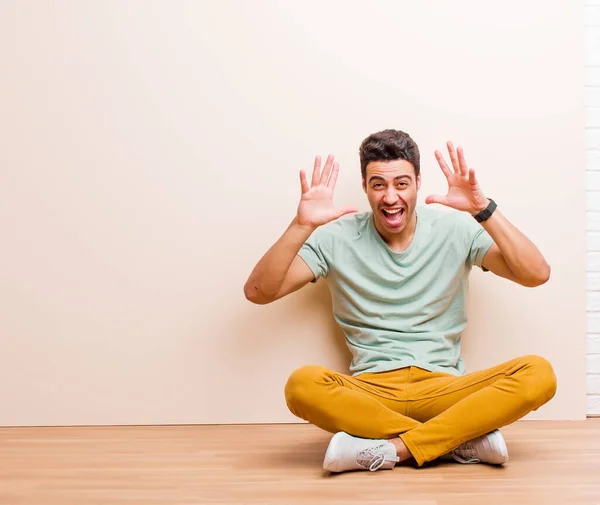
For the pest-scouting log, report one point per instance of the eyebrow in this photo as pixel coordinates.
(398, 177)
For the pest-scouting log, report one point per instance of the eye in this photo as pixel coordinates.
(402, 185)
(377, 185)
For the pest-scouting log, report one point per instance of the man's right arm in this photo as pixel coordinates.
(281, 271)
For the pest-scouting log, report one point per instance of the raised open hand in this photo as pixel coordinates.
(316, 204)
(464, 192)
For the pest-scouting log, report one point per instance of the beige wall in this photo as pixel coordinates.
(149, 157)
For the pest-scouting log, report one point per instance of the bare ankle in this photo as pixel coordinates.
(401, 450)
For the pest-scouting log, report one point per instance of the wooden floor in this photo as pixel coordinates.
(551, 463)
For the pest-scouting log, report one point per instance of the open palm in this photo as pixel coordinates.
(316, 204)
(464, 192)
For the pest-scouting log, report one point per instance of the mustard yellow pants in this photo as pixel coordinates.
(432, 412)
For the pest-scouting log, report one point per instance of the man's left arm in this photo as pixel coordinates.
(512, 256)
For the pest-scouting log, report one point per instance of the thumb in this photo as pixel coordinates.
(436, 199)
(342, 211)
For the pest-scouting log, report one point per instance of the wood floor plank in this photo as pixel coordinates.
(551, 463)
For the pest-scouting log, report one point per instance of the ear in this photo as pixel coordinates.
(418, 182)
(364, 185)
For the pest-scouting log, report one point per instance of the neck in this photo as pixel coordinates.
(399, 242)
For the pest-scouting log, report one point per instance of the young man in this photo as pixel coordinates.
(398, 279)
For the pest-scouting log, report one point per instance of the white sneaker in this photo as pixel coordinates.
(346, 452)
(490, 448)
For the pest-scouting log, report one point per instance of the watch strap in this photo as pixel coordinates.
(486, 213)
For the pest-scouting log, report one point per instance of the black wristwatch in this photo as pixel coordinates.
(486, 213)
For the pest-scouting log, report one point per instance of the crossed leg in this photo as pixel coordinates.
(427, 412)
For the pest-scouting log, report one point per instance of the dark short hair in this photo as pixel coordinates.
(388, 145)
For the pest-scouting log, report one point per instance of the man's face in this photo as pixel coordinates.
(391, 187)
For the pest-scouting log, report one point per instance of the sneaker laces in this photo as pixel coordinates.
(465, 453)
(373, 458)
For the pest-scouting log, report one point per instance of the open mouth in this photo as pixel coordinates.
(393, 217)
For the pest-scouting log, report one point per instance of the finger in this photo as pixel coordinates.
(437, 199)
(316, 175)
(464, 168)
(327, 170)
(442, 163)
(472, 179)
(303, 182)
(454, 158)
(334, 175)
(342, 211)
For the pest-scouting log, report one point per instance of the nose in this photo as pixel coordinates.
(390, 197)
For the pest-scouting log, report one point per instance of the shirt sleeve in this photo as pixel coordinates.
(316, 251)
(477, 240)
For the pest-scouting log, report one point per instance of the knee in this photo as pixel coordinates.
(301, 384)
(541, 387)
